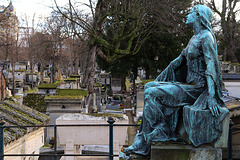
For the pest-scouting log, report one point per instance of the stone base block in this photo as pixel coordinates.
(163, 151)
(138, 157)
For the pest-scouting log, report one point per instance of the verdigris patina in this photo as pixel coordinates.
(191, 83)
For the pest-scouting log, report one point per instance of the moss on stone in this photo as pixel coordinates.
(146, 81)
(47, 86)
(35, 101)
(70, 79)
(72, 92)
(97, 84)
(105, 115)
(74, 76)
(63, 97)
(13, 114)
(32, 73)
(36, 115)
(235, 64)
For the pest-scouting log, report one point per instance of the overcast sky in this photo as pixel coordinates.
(39, 7)
(42, 7)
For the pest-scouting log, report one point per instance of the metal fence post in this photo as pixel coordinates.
(230, 141)
(55, 142)
(110, 121)
(1, 140)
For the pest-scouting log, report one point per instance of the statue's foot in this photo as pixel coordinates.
(123, 156)
(149, 137)
(129, 150)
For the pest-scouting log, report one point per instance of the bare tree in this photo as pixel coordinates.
(54, 27)
(8, 26)
(130, 31)
(229, 25)
(74, 46)
(42, 48)
(9, 38)
(28, 29)
(75, 49)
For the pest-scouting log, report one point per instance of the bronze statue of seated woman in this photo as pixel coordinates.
(191, 84)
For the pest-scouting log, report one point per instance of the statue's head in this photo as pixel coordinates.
(201, 13)
(204, 12)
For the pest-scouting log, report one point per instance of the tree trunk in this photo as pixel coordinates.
(123, 84)
(76, 67)
(32, 73)
(41, 74)
(231, 55)
(225, 54)
(2, 83)
(89, 72)
(147, 72)
(132, 129)
(53, 71)
(13, 79)
(71, 61)
(135, 73)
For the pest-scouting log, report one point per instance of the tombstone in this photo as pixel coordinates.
(73, 137)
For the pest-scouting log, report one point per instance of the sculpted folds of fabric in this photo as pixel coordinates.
(189, 88)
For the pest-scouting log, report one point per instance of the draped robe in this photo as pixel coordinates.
(184, 85)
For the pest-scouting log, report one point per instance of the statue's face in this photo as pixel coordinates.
(191, 17)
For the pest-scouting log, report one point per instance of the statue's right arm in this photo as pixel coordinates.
(177, 61)
(168, 72)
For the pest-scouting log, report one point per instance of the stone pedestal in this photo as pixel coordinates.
(168, 151)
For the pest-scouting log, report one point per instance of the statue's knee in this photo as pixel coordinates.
(147, 85)
(147, 91)
(151, 91)
(150, 84)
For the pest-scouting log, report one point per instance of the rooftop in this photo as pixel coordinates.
(14, 114)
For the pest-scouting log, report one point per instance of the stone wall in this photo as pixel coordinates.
(57, 107)
(30, 143)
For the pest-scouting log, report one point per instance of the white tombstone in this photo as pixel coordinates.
(89, 135)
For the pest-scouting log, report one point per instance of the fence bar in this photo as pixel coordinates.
(55, 142)
(1, 141)
(58, 155)
(66, 125)
(110, 155)
(110, 121)
(230, 141)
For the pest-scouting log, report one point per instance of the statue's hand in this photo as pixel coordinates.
(213, 106)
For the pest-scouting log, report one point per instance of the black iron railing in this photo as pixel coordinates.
(110, 124)
(56, 155)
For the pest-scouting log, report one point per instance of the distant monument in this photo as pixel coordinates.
(187, 91)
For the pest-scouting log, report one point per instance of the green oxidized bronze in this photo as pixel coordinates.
(191, 86)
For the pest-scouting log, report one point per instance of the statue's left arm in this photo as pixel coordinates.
(210, 56)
